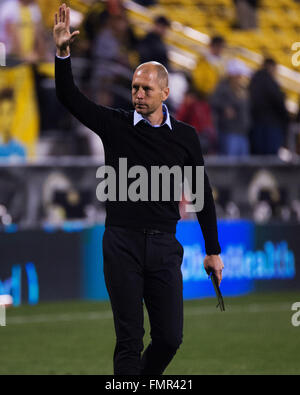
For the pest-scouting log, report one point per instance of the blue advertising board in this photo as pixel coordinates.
(235, 238)
(247, 259)
(53, 265)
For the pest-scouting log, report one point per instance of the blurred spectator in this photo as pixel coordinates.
(9, 147)
(111, 57)
(97, 16)
(269, 114)
(196, 111)
(152, 46)
(210, 66)
(94, 21)
(110, 42)
(231, 110)
(21, 30)
(246, 13)
(118, 31)
(115, 7)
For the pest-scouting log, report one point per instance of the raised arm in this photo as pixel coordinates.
(90, 114)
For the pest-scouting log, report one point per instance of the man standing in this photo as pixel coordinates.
(152, 46)
(246, 13)
(231, 110)
(142, 256)
(269, 114)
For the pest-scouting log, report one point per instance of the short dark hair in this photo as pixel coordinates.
(162, 20)
(269, 62)
(217, 40)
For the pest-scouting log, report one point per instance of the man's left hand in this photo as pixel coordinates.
(213, 263)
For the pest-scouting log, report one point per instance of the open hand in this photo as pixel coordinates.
(61, 31)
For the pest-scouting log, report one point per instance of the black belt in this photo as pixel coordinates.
(143, 230)
(150, 231)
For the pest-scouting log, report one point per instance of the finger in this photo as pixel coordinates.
(68, 17)
(73, 35)
(60, 9)
(64, 14)
(208, 270)
(219, 277)
(55, 19)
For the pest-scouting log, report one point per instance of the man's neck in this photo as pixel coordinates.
(156, 118)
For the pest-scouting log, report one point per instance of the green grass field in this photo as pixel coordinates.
(254, 336)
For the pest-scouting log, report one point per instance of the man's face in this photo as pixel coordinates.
(272, 69)
(147, 91)
(161, 29)
(236, 79)
(217, 49)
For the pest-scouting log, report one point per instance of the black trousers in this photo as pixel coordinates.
(144, 266)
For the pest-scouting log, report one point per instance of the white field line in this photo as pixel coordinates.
(190, 311)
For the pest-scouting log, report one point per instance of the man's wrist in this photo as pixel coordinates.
(63, 52)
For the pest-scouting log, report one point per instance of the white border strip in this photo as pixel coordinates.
(188, 312)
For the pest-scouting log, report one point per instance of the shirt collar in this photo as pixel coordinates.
(138, 118)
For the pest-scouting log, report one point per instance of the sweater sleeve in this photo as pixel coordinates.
(93, 116)
(207, 216)
(208, 220)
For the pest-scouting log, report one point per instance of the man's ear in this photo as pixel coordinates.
(165, 93)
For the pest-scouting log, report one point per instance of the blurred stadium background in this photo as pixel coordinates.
(234, 75)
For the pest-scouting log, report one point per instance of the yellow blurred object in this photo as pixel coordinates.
(25, 116)
(48, 9)
(26, 31)
(206, 75)
(46, 69)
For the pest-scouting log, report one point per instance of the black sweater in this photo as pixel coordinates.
(142, 145)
